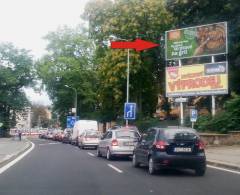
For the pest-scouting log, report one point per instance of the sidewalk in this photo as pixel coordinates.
(224, 156)
(10, 148)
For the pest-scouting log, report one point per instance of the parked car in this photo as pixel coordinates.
(67, 135)
(80, 126)
(118, 142)
(114, 127)
(67, 138)
(176, 147)
(89, 138)
(49, 135)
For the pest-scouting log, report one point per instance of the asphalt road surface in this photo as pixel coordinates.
(54, 168)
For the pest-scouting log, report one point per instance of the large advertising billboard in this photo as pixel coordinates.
(195, 80)
(196, 41)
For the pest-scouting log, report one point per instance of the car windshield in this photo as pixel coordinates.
(126, 134)
(180, 134)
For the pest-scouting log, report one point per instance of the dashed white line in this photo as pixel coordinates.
(222, 169)
(115, 168)
(91, 154)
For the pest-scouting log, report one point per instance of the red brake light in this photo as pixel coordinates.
(114, 142)
(161, 145)
(200, 145)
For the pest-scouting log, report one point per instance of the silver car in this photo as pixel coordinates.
(120, 142)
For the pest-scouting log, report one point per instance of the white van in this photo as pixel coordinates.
(80, 126)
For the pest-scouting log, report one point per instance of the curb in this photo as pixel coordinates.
(223, 165)
(29, 145)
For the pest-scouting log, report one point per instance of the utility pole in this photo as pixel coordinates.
(75, 99)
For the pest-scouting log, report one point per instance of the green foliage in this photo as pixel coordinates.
(69, 62)
(16, 72)
(147, 19)
(227, 120)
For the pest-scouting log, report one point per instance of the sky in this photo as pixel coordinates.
(26, 22)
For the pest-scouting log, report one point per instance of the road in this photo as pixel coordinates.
(59, 169)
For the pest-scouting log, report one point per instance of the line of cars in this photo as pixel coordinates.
(158, 148)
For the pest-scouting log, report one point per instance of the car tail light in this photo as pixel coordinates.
(200, 144)
(114, 142)
(161, 145)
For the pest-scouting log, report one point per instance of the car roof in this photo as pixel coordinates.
(180, 128)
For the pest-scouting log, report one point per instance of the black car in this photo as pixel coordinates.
(176, 147)
(66, 138)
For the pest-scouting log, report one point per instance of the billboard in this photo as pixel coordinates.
(195, 80)
(206, 40)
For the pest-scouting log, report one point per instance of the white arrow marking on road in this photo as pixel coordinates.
(115, 168)
(7, 166)
(91, 154)
(222, 169)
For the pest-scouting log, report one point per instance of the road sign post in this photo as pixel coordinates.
(138, 45)
(193, 116)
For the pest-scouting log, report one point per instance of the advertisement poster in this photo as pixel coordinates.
(196, 41)
(195, 80)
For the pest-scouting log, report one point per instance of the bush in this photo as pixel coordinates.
(227, 120)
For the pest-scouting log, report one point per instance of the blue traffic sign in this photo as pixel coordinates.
(193, 115)
(130, 111)
(71, 121)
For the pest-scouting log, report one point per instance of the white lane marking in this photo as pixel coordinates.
(7, 166)
(91, 154)
(115, 168)
(48, 144)
(223, 169)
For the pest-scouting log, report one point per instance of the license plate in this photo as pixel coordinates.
(128, 144)
(182, 149)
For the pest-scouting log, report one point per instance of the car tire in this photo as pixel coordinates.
(200, 171)
(98, 153)
(109, 155)
(151, 166)
(135, 163)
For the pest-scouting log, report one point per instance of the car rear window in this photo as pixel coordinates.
(92, 134)
(126, 134)
(178, 134)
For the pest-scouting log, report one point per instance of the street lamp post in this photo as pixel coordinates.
(75, 100)
(128, 69)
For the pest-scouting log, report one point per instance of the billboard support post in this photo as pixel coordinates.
(181, 103)
(213, 97)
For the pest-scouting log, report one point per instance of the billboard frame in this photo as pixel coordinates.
(225, 23)
(194, 65)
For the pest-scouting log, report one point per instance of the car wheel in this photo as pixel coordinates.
(151, 166)
(200, 171)
(98, 153)
(135, 163)
(109, 156)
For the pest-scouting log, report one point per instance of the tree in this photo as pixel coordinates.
(69, 62)
(40, 116)
(16, 72)
(147, 19)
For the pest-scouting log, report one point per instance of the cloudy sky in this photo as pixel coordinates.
(25, 22)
